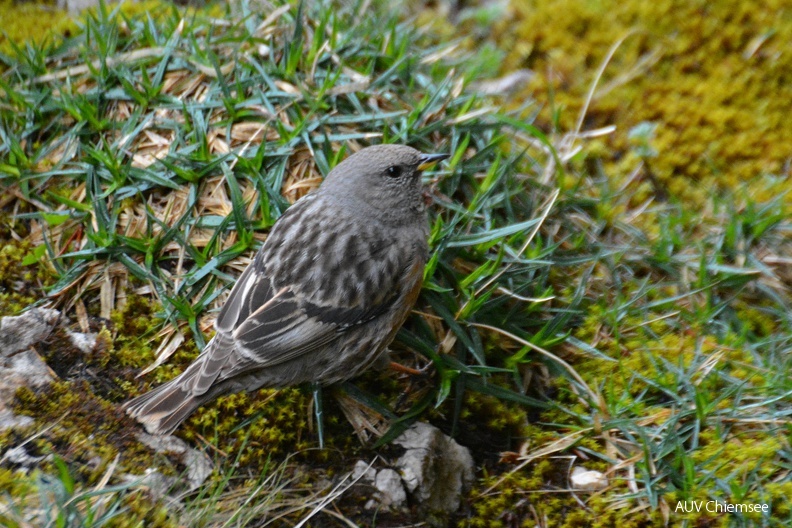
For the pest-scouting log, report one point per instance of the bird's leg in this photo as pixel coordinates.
(318, 411)
(398, 367)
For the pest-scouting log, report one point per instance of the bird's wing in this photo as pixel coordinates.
(262, 327)
(252, 290)
(289, 326)
(284, 328)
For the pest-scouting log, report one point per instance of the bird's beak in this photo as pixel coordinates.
(427, 161)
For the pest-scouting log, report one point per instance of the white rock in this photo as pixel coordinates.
(157, 483)
(506, 84)
(85, 342)
(9, 419)
(364, 471)
(582, 478)
(18, 455)
(435, 469)
(390, 491)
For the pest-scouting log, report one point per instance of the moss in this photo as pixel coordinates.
(83, 423)
(39, 491)
(135, 327)
(85, 430)
(32, 21)
(140, 511)
(755, 321)
(13, 483)
(40, 22)
(713, 76)
(20, 285)
(487, 425)
(519, 498)
(253, 428)
(747, 452)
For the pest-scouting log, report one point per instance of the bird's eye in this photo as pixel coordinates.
(394, 172)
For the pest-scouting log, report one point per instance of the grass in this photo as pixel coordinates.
(568, 317)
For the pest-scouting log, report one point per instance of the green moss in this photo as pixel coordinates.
(135, 327)
(747, 453)
(519, 498)
(29, 21)
(20, 285)
(83, 423)
(85, 430)
(489, 425)
(140, 511)
(755, 321)
(712, 76)
(11, 483)
(40, 494)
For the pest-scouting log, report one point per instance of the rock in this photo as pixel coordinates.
(20, 364)
(584, 479)
(435, 469)
(21, 331)
(10, 420)
(158, 484)
(75, 6)
(20, 457)
(504, 85)
(390, 490)
(363, 471)
(84, 342)
(198, 463)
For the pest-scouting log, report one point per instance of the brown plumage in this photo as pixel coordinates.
(325, 294)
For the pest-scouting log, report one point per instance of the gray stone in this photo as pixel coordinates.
(364, 471)
(19, 456)
(198, 463)
(9, 419)
(390, 491)
(585, 479)
(75, 6)
(435, 469)
(505, 85)
(20, 364)
(158, 484)
(21, 331)
(84, 342)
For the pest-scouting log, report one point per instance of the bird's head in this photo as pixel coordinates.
(386, 178)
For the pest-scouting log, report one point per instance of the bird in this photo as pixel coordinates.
(325, 294)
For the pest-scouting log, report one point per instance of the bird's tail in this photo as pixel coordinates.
(164, 408)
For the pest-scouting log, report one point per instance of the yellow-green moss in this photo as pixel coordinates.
(20, 285)
(29, 21)
(755, 321)
(715, 79)
(86, 430)
(489, 425)
(41, 21)
(747, 452)
(30, 494)
(521, 497)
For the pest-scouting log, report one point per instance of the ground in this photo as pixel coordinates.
(608, 288)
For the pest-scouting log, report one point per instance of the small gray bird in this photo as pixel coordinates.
(325, 294)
